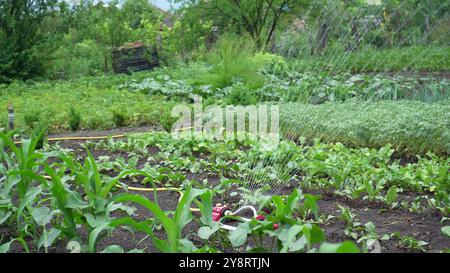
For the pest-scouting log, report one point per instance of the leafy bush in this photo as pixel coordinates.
(72, 60)
(74, 119)
(167, 121)
(119, 117)
(272, 64)
(31, 118)
(240, 94)
(25, 39)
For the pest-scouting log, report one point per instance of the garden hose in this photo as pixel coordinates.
(79, 138)
(84, 138)
(185, 128)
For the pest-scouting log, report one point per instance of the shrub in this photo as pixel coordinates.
(167, 121)
(271, 63)
(240, 94)
(74, 119)
(119, 117)
(31, 118)
(85, 58)
(233, 61)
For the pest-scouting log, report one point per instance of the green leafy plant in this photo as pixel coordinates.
(410, 242)
(119, 117)
(74, 119)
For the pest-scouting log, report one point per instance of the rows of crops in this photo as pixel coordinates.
(64, 196)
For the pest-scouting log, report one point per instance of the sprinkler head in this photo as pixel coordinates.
(219, 212)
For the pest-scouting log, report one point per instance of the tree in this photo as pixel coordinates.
(95, 28)
(411, 20)
(22, 37)
(259, 18)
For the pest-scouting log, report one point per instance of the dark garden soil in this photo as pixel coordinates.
(424, 226)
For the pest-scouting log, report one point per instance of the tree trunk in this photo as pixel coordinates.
(353, 43)
(322, 38)
(105, 65)
(427, 28)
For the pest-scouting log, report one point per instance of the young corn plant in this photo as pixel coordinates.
(173, 227)
(17, 186)
(91, 208)
(25, 157)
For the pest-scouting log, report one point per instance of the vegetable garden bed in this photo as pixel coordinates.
(405, 213)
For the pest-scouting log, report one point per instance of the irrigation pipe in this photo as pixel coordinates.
(148, 190)
(79, 138)
(92, 137)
